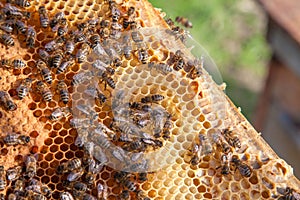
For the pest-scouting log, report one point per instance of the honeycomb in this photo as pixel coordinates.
(196, 105)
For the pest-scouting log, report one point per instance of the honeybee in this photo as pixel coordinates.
(20, 26)
(44, 55)
(58, 18)
(54, 44)
(92, 23)
(164, 68)
(82, 53)
(129, 18)
(143, 55)
(24, 87)
(195, 151)
(44, 19)
(93, 169)
(108, 46)
(102, 191)
(81, 77)
(124, 195)
(14, 173)
(59, 113)
(170, 22)
(30, 164)
(101, 140)
(7, 26)
(14, 12)
(69, 47)
(108, 80)
(3, 182)
(63, 91)
(45, 72)
(124, 179)
(6, 39)
(166, 129)
(129, 128)
(184, 22)
(80, 36)
(225, 148)
(103, 67)
(68, 166)
(135, 146)
(115, 14)
(288, 194)
(95, 39)
(158, 121)
(225, 165)
(78, 189)
(30, 37)
(100, 155)
(66, 196)
(56, 58)
(142, 176)
(119, 154)
(142, 122)
(19, 189)
(179, 33)
(231, 138)
(155, 98)
(80, 122)
(82, 26)
(62, 30)
(95, 93)
(45, 190)
(178, 60)
(193, 69)
(206, 147)
(15, 139)
(15, 63)
(65, 64)
(6, 101)
(34, 195)
(140, 106)
(87, 110)
(38, 187)
(243, 168)
(141, 195)
(44, 90)
(137, 37)
(127, 48)
(22, 3)
(75, 175)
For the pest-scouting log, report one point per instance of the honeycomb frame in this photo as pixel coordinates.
(53, 142)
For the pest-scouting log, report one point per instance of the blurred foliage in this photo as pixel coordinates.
(233, 32)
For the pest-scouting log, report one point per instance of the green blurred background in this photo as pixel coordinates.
(233, 33)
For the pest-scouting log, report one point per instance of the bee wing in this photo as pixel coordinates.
(100, 155)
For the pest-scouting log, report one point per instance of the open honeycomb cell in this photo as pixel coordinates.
(197, 107)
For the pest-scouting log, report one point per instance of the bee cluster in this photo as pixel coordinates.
(20, 182)
(226, 143)
(12, 19)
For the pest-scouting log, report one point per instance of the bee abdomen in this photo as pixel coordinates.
(7, 40)
(47, 96)
(64, 95)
